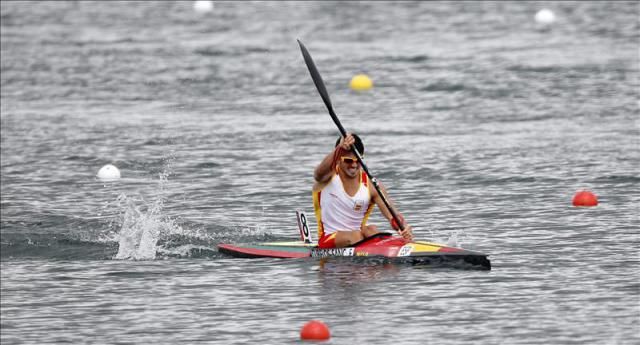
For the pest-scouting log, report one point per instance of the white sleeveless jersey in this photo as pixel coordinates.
(336, 210)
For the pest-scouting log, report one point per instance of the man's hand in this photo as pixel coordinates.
(406, 233)
(346, 142)
(395, 225)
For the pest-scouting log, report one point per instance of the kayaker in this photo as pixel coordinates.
(343, 198)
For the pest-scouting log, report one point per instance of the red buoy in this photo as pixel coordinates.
(585, 198)
(315, 330)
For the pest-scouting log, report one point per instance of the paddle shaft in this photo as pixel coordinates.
(317, 79)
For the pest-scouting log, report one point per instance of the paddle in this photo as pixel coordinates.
(317, 79)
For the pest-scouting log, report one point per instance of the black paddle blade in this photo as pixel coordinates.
(315, 75)
(317, 79)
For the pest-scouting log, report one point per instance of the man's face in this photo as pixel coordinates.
(349, 164)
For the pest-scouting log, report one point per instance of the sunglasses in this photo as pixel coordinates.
(348, 160)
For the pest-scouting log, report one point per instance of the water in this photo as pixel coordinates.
(481, 123)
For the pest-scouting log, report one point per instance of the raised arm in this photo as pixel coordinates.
(325, 169)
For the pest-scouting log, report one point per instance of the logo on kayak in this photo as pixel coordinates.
(405, 250)
(325, 253)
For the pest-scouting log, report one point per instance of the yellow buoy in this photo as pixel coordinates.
(361, 82)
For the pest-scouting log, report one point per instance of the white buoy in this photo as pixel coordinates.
(203, 6)
(109, 172)
(545, 17)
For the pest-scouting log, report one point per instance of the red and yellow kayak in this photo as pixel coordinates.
(382, 245)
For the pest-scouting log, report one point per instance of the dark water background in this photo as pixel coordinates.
(481, 123)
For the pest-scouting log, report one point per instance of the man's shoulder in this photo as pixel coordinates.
(320, 185)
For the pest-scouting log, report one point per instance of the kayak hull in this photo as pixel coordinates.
(390, 248)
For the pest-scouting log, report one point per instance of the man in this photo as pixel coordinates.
(343, 198)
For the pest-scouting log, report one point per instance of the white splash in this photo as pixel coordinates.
(140, 232)
(142, 228)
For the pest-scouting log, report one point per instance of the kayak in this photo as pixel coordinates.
(382, 245)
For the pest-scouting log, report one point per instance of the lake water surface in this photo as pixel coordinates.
(481, 123)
